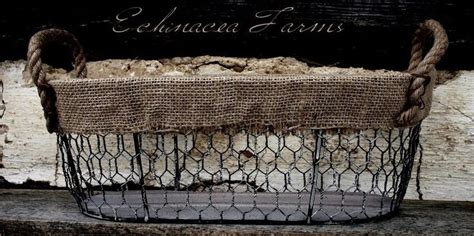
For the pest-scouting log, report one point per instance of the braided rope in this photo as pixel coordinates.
(421, 67)
(35, 67)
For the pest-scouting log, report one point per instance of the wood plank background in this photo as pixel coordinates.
(377, 33)
(54, 212)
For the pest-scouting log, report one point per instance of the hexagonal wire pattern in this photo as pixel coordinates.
(310, 176)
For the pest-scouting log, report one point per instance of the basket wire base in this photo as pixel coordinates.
(307, 177)
(235, 207)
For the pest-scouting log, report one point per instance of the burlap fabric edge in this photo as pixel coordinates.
(285, 103)
(253, 102)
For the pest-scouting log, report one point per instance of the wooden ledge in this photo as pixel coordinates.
(55, 212)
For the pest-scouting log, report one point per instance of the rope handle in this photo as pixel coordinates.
(420, 67)
(38, 75)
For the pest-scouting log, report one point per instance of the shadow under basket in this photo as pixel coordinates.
(324, 147)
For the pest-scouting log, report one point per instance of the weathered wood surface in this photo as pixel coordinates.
(447, 134)
(28, 150)
(372, 30)
(47, 211)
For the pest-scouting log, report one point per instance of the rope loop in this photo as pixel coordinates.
(35, 67)
(420, 67)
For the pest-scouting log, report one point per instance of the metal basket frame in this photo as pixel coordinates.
(332, 176)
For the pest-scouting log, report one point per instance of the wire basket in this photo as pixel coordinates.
(153, 150)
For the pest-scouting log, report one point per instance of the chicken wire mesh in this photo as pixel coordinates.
(310, 176)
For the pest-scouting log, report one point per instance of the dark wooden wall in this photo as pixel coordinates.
(377, 33)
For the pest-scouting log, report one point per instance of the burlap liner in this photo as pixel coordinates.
(377, 99)
(128, 105)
